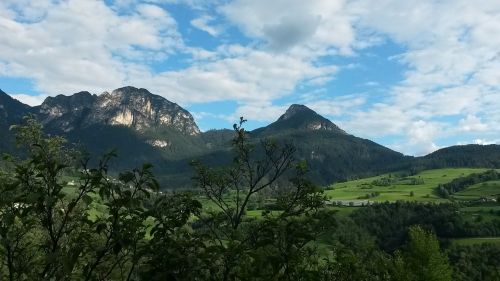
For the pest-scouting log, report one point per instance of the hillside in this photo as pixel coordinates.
(420, 187)
(11, 112)
(330, 152)
(472, 155)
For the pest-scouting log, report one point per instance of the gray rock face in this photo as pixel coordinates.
(127, 106)
(66, 112)
(295, 109)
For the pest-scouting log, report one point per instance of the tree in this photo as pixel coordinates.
(275, 246)
(94, 230)
(423, 259)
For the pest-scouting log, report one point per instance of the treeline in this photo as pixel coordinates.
(472, 155)
(397, 178)
(461, 183)
(388, 222)
(478, 262)
(374, 233)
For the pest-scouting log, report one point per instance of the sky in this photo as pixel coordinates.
(414, 75)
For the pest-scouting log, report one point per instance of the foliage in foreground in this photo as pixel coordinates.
(48, 232)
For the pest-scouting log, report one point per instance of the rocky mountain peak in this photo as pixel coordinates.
(299, 116)
(128, 106)
(296, 109)
(140, 109)
(67, 104)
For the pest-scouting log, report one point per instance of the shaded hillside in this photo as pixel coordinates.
(472, 155)
(332, 154)
(12, 112)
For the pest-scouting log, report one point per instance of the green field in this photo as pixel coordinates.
(477, 240)
(481, 212)
(422, 185)
(343, 211)
(489, 189)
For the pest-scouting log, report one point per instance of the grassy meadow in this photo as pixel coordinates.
(477, 240)
(485, 189)
(419, 187)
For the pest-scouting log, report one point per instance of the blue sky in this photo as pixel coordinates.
(413, 75)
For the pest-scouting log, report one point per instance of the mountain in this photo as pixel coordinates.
(300, 117)
(140, 126)
(332, 154)
(143, 127)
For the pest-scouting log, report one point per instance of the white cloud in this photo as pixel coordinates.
(258, 111)
(480, 142)
(86, 45)
(251, 76)
(83, 45)
(452, 59)
(472, 123)
(29, 99)
(486, 142)
(26, 10)
(203, 23)
(310, 26)
(336, 106)
(420, 138)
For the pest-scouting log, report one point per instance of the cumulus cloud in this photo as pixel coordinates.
(336, 107)
(29, 99)
(79, 44)
(86, 45)
(250, 76)
(472, 123)
(259, 111)
(203, 23)
(310, 26)
(452, 68)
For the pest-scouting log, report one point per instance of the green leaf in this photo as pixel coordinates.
(147, 166)
(117, 248)
(126, 177)
(100, 227)
(87, 199)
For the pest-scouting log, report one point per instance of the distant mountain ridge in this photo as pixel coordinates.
(144, 127)
(475, 155)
